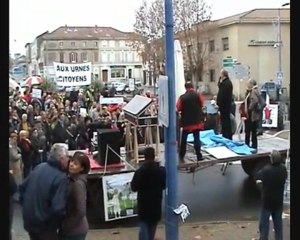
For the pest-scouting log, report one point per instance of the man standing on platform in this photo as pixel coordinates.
(224, 102)
(191, 117)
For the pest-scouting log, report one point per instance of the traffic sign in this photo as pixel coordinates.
(279, 75)
(228, 62)
(242, 71)
(230, 71)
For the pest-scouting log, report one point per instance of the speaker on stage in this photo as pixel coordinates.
(111, 138)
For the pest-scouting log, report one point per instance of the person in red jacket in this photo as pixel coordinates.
(27, 96)
(189, 105)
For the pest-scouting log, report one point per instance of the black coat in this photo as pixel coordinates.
(59, 133)
(224, 97)
(273, 179)
(149, 181)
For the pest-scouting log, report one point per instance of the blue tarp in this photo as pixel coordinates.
(208, 138)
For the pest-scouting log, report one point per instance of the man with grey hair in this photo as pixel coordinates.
(254, 106)
(43, 195)
(224, 102)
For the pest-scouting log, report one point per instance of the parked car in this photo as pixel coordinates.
(121, 88)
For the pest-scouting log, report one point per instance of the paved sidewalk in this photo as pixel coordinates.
(200, 231)
(233, 230)
(187, 231)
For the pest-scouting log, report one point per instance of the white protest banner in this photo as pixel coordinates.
(36, 93)
(111, 100)
(73, 74)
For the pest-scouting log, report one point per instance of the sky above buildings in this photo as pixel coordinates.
(30, 18)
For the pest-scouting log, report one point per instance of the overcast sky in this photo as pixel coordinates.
(30, 18)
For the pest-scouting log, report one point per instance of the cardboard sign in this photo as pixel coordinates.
(70, 75)
(36, 93)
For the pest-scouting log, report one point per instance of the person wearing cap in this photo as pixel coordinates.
(272, 178)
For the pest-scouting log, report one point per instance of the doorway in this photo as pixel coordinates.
(104, 75)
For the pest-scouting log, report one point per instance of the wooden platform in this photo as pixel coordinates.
(266, 143)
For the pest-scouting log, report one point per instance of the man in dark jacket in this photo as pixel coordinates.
(224, 102)
(43, 195)
(272, 177)
(59, 133)
(189, 105)
(149, 181)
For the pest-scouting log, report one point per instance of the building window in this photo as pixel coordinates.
(84, 57)
(211, 45)
(117, 73)
(122, 56)
(122, 44)
(125, 56)
(73, 57)
(111, 43)
(129, 57)
(61, 57)
(84, 44)
(61, 44)
(104, 43)
(96, 57)
(72, 44)
(104, 57)
(51, 57)
(117, 56)
(212, 75)
(225, 43)
(112, 56)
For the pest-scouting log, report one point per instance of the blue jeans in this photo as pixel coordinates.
(147, 231)
(75, 237)
(264, 223)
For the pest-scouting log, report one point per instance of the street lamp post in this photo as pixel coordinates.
(279, 76)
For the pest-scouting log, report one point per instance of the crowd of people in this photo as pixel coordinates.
(51, 186)
(37, 125)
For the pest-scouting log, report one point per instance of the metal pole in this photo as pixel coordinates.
(279, 45)
(170, 133)
(279, 79)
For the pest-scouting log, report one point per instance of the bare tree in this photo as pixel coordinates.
(148, 33)
(194, 28)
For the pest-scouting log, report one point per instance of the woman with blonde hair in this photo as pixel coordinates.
(24, 124)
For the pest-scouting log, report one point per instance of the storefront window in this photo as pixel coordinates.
(117, 73)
